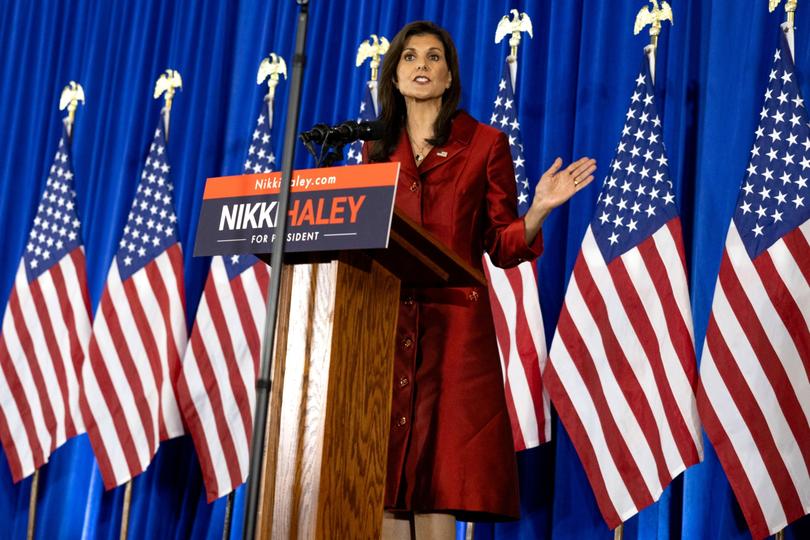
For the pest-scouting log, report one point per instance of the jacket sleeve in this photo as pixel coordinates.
(505, 232)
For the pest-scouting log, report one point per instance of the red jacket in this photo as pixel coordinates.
(450, 446)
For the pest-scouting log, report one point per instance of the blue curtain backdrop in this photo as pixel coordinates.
(574, 81)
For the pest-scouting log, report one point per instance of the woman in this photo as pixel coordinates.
(450, 445)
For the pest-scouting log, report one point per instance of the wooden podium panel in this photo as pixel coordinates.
(330, 403)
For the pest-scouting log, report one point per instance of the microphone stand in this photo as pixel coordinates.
(254, 479)
(334, 153)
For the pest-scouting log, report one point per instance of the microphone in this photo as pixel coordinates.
(315, 135)
(351, 131)
(343, 133)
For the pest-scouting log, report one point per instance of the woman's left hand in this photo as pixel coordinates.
(557, 186)
(554, 188)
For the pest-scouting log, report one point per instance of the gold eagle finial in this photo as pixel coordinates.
(271, 69)
(520, 22)
(72, 94)
(653, 17)
(166, 84)
(374, 47)
(790, 8)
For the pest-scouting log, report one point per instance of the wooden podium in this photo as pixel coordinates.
(328, 424)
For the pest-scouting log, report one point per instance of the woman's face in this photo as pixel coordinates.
(422, 72)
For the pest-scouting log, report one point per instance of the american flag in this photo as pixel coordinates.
(217, 384)
(754, 394)
(516, 305)
(367, 114)
(46, 328)
(139, 333)
(621, 371)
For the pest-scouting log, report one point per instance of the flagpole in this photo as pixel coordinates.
(226, 526)
(125, 510)
(32, 505)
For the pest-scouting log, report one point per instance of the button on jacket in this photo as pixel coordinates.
(450, 445)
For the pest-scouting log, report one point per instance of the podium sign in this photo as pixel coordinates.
(334, 208)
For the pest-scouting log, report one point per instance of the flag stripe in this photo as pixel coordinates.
(780, 412)
(38, 356)
(19, 436)
(55, 339)
(171, 269)
(676, 274)
(126, 351)
(196, 410)
(226, 416)
(583, 424)
(230, 344)
(18, 451)
(74, 311)
(219, 373)
(170, 294)
(250, 319)
(784, 370)
(625, 375)
(109, 435)
(500, 295)
(118, 377)
(220, 310)
(537, 336)
(638, 273)
(674, 297)
(758, 405)
(600, 388)
(653, 418)
(141, 290)
(719, 414)
(527, 351)
(23, 389)
(789, 293)
(114, 420)
(210, 431)
(797, 331)
(798, 243)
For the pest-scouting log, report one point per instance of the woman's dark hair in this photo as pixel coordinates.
(392, 104)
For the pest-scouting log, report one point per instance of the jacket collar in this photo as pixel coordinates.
(462, 130)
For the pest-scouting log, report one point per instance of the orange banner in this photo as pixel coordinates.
(328, 178)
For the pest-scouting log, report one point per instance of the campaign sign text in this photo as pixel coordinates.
(330, 209)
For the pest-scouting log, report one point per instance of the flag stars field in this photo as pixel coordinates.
(761, 212)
